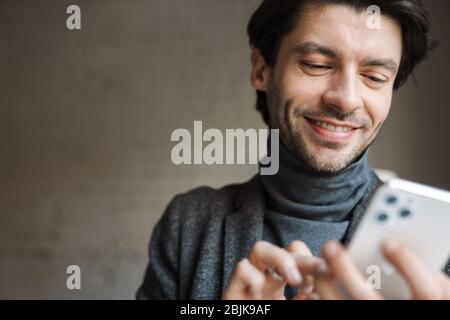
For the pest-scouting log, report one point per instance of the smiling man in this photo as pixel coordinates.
(325, 80)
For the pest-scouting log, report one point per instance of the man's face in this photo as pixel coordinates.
(331, 88)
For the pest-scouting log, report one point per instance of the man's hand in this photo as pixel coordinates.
(264, 275)
(423, 283)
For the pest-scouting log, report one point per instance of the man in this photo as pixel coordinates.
(325, 79)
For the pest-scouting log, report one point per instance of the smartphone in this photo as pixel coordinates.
(412, 214)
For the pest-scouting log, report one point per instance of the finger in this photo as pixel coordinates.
(307, 296)
(246, 280)
(309, 265)
(300, 248)
(265, 255)
(308, 285)
(306, 263)
(313, 296)
(326, 289)
(420, 279)
(346, 272)
(444, 281)
(303, 291)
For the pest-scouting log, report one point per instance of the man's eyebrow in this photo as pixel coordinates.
(388, 64)
(313, 47)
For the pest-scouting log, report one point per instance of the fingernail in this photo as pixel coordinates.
(274, 274)
(391, 246)
(296, 276)
(331, 249)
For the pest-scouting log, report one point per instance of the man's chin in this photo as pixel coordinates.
(327, 160)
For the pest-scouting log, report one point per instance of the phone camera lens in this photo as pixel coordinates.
(405, 213)
(391, 199)
(382, 217)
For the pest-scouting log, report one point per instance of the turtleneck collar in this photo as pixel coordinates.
(299, 191)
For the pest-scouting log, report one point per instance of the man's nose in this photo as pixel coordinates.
(344, 93)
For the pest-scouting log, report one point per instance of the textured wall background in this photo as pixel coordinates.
(86, 118)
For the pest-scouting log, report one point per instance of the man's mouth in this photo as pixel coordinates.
(331, 130)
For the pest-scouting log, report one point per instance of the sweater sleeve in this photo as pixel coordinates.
(161, 276)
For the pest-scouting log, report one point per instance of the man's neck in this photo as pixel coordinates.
(300, 191)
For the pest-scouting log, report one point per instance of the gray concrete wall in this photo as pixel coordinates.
(86, 118)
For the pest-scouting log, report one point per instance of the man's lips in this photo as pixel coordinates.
(331, 130)
(335, 123)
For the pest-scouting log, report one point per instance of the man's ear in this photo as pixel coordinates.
(260, 74)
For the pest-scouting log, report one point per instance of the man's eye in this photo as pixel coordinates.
(376, 80)
(316, 66)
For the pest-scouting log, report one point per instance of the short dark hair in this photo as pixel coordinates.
(274, 19)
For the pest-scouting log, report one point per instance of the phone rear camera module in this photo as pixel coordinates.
(391, 199)
(405, 213)
(382, 217)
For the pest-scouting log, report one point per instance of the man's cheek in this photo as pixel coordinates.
(379, 105)
(302, 87)
(376, 114)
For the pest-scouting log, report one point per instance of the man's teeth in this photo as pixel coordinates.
(330, 127)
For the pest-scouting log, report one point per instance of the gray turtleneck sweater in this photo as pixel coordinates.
(303, 204)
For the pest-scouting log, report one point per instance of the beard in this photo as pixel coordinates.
(324, 157)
